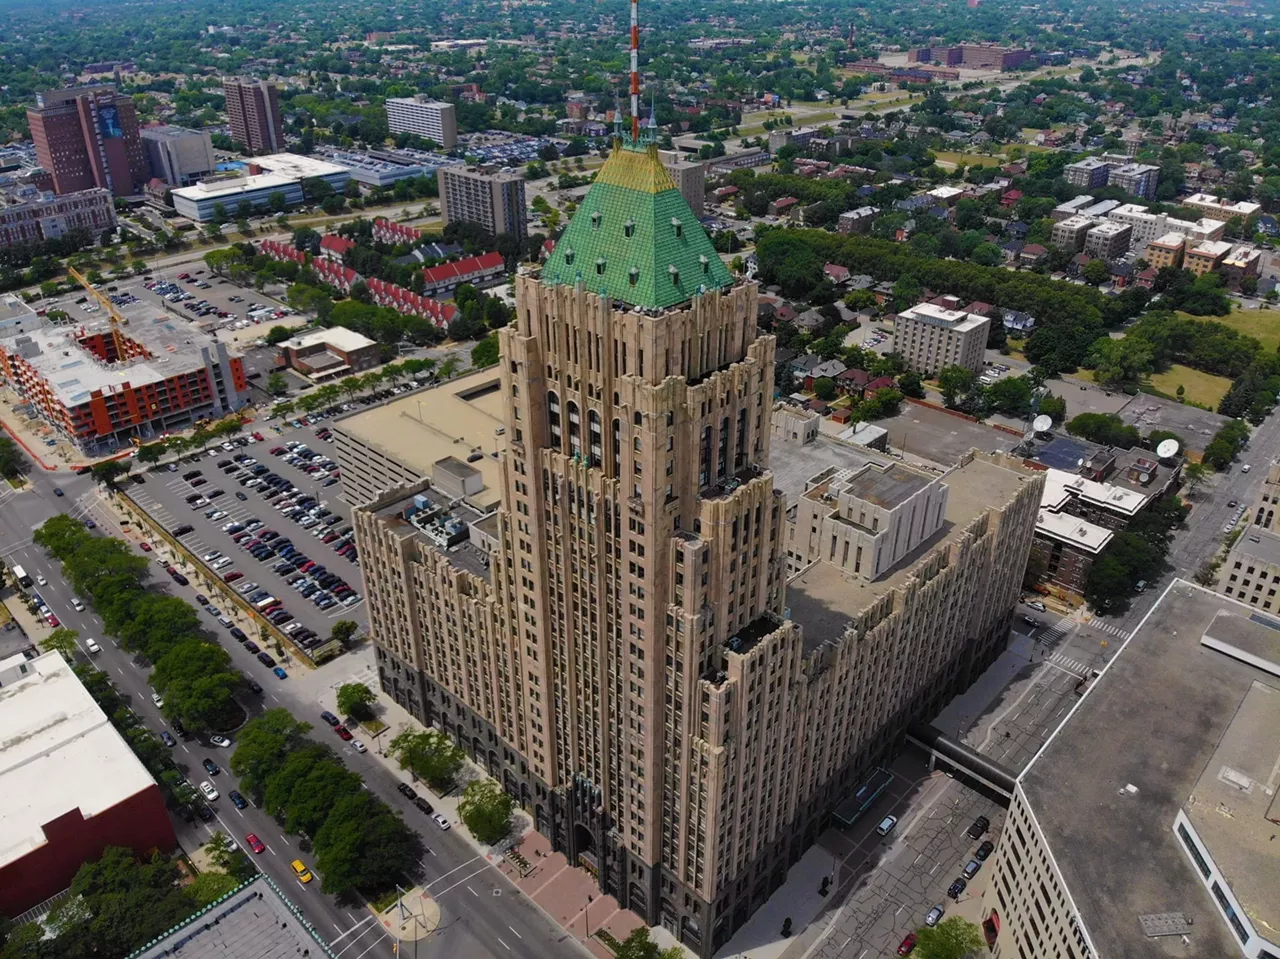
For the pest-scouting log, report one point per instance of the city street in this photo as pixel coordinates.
(482, 912)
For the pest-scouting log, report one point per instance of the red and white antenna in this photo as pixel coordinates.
(635, 71)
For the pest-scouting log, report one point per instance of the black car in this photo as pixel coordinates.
(266, 659)
(407, 791)
(178, 577)
(980, 825)
(237, 800)
(210, 766)
(422, 804)
(183, 530)
(240, 495)
(57, 491)
(984, 851)
(166, 737)
(238, 633)
(254, 685)
(180, 729)
(330, 718)
(956, 889)
(204, 812)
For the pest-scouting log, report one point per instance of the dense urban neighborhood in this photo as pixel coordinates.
(639, 481)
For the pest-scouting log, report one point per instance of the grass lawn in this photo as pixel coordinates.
(1263, 325)
(1202, 388)
(969, 159)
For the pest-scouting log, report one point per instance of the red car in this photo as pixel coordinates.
(145, 547)
(52, 620)
(254, 843)
(259, 437)
(343, 733)
(907, 944)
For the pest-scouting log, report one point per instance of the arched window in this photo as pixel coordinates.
(637, 419)
(575, 429)
(553, 417)
(595, 440)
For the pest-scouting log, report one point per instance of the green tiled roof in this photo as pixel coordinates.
(635, 239)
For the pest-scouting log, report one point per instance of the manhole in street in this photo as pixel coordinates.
(497, 892)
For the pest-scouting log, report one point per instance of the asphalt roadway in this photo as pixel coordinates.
(482, 913)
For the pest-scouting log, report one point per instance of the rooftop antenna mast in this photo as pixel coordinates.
(635, 71)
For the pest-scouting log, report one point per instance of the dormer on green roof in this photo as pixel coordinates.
(644, 244)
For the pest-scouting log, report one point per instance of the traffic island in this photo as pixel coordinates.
(412, 916)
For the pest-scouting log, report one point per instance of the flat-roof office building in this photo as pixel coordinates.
(430, 119)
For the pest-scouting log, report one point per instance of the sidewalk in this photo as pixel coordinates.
(567, 894)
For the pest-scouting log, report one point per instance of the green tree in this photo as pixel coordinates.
(910, 384)
(1194, 475)
(638, 945)
(987, 254)
(355, 699)
(1105, 429)
(343, 630)
(485, 353)
(429, 755)
(277, 202)
(486, 810)
(305, 787)
(955, 380)
(953, 938)
(277, 385)
(151, 452)
(824, 387)
(61, 640)
(198, 685)
(263, 744)
(108, 471)
(1010, 395)
(1096, 272)
(12, 462)
(363, 845)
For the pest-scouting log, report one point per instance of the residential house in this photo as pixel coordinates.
(839, 274)
(1032, 254)
(782, 206)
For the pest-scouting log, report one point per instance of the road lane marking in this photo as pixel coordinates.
(473, 892)
(358, 924)
(450, 872)
(513, 929)
(460, 882)
(384, 936)
(504, 945)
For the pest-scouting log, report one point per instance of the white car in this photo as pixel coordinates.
(359, 746)
(92, 646)
(1245, 468)
(158, 700)
(210, 793)
(77, 605)
(440, 820)
(41, 581)
(220, 741)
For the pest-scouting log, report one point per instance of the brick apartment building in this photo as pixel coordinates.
(87, 137)
(253, 113)
(971, 56)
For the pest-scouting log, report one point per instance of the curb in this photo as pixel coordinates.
(30, 452)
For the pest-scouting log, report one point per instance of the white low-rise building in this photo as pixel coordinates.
(256, 182)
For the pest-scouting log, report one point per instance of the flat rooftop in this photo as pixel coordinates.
(940, 316)
(254, 921)
(1072, 530)
(176, 346)
(338, 337)
(793, 465)
(407, 517)
(455, 419)
(823, 597)
(1171, 726)
(58, 753)
(1260, 544)
(887, 486)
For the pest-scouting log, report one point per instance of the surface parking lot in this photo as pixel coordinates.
(313, 598)
(209, 301)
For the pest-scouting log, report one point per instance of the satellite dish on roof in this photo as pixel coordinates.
(1080, 462)
(1167, 449)
(1144, 478)
(1042, 423)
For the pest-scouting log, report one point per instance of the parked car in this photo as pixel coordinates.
(980, 826)
(935, 916)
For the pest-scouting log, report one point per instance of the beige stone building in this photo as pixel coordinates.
(492, 199)
(931, 337)
(1166, 251)
(1145, 826)
(616, 639)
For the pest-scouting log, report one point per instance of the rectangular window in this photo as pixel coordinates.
(1194, 850)
(1230, 913)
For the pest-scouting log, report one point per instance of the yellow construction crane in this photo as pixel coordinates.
(117, 320)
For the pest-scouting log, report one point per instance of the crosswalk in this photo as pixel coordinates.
(1110, 629)
(1069, 664)
(1049, 635)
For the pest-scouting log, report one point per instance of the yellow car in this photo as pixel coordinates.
(301, 871)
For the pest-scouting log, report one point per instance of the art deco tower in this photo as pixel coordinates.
(613, 638)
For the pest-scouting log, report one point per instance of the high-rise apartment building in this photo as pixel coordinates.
(1146, 825)
(930, 337)
(1108, 239)
(253, 113)
(611, 632)
(495, 200)
(691, 180)
(1136, 179)
(1069, 234)
(424, 117)
(86, 138)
